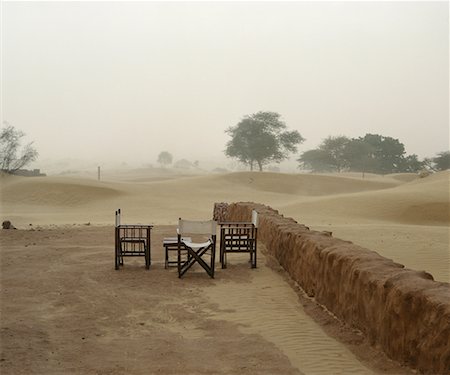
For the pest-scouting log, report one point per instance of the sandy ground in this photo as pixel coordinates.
(66, 310)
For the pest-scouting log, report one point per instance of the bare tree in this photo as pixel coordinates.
(12, 156)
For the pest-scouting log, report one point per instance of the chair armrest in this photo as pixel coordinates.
(235, 222)
(236, 225)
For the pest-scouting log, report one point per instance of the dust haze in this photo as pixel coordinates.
(115, 82)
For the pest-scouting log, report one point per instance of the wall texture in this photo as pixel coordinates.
(404, 312)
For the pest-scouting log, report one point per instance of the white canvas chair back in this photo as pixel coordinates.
(255, 218)
(197, 227)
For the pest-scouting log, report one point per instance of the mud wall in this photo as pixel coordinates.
(404, 312)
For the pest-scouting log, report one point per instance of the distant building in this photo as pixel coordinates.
(27, 173)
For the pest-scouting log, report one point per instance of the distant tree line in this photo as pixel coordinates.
(165, 159)
(440, 162)
(262, 138)
(372, 153)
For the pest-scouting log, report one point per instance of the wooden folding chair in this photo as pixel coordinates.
(132, 240)
(196, 251)
(239, 237)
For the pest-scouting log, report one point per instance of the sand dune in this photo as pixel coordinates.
(420, 202)
(56, 191)
(304, 184)
(392, 177)
(408, 223)
(163, 198)
(16, 188)
(404, 177)
(354, 208)
(312, 199)
(148, 174)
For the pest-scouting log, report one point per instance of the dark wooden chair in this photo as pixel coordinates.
(132, 240)
(170, 245)
(196, 252)
(239, 237)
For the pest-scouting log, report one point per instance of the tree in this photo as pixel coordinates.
(371, 153)
(165, 158)
(412, 164)
(335, 147)
(359, 156)
(388, 153)
(12, 158)
(261, 138)
(442, 161)
(378, 154)
(329, 157)
(316, 160)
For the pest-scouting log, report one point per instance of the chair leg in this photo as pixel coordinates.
(196, 257)
(179, 263)
(116, 260)
(213, 260)
(224, 260)
(222, 246)
(253, 259)
(147, 257)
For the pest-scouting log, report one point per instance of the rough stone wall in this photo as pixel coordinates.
(404, 312)
(220, 211)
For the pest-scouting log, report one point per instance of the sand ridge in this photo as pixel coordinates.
(157, 199)
(423, 202)
(305, 184)
(57, 191)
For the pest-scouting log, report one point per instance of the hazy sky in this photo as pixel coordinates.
(123, 81)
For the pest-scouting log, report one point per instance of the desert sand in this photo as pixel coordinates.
(66, 310)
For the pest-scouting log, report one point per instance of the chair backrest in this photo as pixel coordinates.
(255, 220)
(118, 217)
(197, 227)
